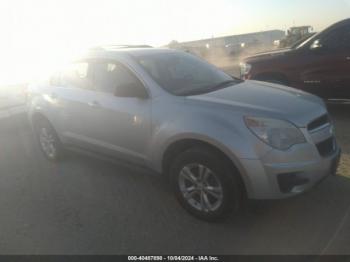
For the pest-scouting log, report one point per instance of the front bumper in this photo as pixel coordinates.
(276, 180)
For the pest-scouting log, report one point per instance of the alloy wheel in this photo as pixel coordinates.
(48, 142)
(201, 187)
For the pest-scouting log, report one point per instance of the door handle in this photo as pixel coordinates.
(94, 104)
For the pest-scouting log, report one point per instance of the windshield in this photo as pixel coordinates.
(306, 41)
(302, 41)
(184, 74)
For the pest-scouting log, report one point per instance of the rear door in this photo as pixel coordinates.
(72, 93)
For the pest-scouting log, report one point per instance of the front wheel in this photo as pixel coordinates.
(205, 185)
(48, 140)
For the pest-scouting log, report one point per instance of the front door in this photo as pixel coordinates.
(326, 71)
(119, 125)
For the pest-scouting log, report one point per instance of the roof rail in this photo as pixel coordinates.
(106, 47)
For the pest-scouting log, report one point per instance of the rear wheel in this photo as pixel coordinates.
(205, 185)
(48, 140)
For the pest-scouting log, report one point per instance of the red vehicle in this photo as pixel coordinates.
(320, 65)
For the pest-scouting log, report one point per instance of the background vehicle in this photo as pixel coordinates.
(294, 35)
(320, 65)
(217, 138)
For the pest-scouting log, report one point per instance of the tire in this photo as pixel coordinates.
(48, 140)
(225, 195)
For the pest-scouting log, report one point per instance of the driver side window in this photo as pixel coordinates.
(109, 76)
(339, 39)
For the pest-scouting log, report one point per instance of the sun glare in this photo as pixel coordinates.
(41, 35)
(38, 36)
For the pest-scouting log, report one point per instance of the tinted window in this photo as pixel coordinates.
(181, 73)
(345, 39)
(339, 38)
(108, 76)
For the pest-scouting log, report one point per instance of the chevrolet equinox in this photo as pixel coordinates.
(218, 139)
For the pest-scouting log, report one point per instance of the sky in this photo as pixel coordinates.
(38, 35)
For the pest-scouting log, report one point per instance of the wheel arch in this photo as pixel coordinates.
(38, 116)
(176, 147)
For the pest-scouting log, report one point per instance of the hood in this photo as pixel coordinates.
(265, 99)
(269, 54)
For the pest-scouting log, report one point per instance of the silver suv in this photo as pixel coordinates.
(218, 139)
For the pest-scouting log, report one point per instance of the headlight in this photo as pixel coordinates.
(278, 134)
(245, 68)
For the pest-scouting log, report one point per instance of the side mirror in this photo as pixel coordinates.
(131, 90)
(317, 45)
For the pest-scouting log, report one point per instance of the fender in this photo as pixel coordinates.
(212, 129)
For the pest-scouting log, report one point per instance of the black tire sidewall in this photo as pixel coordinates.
(231, 190)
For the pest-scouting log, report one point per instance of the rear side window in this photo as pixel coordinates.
(107, 76)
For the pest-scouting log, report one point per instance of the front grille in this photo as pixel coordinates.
(326, 147)
(321, 121)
